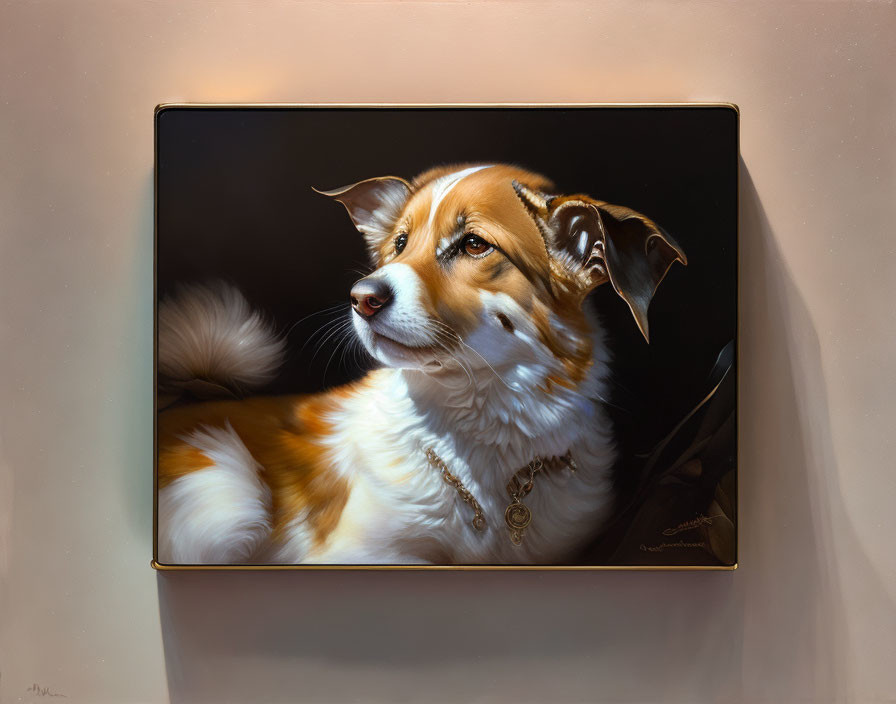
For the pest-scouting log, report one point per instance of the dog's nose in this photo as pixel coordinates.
(370, 296)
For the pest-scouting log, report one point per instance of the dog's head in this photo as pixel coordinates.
(483, 265)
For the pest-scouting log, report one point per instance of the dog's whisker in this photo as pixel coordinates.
(442, 330)
(470, 380)
(341, 339)
(346, 349)
(336, 330)
(330, 310)
(494, 371)
(322, 330)
(455, 336)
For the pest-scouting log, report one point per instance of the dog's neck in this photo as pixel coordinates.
(510, 416)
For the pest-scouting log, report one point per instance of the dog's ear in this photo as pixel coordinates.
(373, 205)
(611, 242)
(599, 242)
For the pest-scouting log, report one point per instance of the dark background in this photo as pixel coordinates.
(234, 201)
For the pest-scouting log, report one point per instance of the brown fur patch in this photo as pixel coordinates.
(574, 355)
(177, 460)
(284, 435)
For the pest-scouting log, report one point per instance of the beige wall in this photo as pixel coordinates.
(809, 616)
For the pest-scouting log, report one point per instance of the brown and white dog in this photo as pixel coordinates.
(474, 309)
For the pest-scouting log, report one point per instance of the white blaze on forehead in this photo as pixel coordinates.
(443, 186)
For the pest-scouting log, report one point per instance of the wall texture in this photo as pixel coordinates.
(810, 615)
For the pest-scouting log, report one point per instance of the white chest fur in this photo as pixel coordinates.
(402, 511)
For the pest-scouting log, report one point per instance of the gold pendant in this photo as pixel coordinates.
(517, 517)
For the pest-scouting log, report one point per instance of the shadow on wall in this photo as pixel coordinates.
(794, 634)
(774, 630)
(797, 543)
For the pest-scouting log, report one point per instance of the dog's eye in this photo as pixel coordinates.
(476, 246)
(401, 242)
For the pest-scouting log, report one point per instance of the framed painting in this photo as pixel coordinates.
(471, 336)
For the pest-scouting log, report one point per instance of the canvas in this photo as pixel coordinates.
(446, 336)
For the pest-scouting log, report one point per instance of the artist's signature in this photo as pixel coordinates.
(697, 522)
(43, 691)
(659, 547)
(700, 520)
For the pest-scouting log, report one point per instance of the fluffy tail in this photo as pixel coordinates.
(209, 336)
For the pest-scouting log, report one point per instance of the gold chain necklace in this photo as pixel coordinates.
(517, 516)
